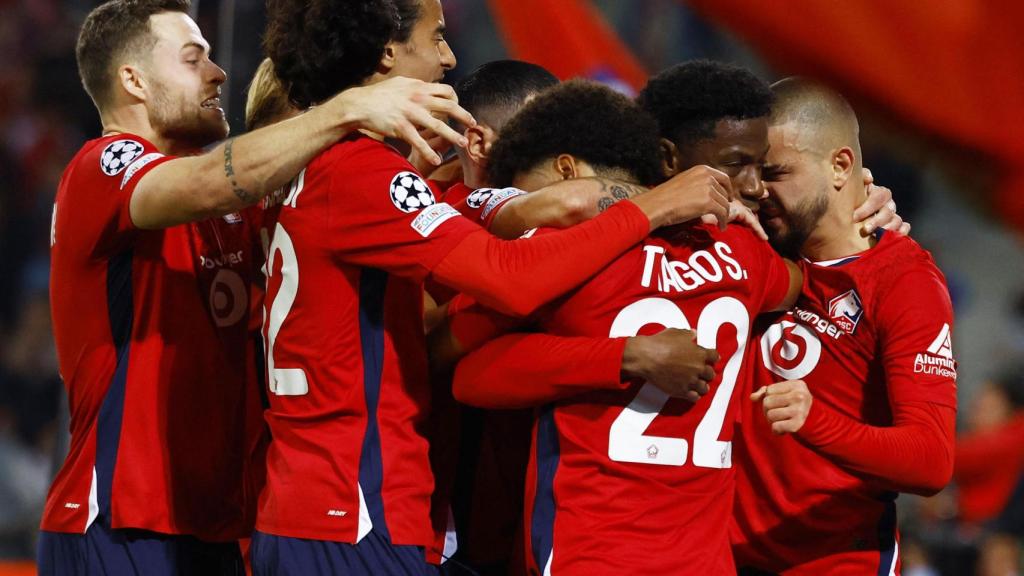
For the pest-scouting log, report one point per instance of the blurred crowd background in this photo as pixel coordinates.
(959, 194)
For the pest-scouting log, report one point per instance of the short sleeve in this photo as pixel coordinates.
(483, 204)
(382, 214)
(101, 183)
(915, 336)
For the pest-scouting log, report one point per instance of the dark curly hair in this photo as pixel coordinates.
(110, 32)
(587, 120)
(321, 47)
(688, 99)
(496, 90)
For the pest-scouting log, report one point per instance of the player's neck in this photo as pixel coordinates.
(473, 176)
(836, 237)
(132, 120)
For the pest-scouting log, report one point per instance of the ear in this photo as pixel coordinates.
(388, 59)
(843, 161)
(565, 165)
(478, 147)
(132, 81)
(669, 157)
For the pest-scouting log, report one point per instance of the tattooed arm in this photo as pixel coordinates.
(239, 172)
(570, 202)
(560, 205)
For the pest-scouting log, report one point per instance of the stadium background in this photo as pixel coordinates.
(937, 87)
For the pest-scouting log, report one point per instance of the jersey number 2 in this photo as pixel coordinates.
(626, 439)
(282, 381)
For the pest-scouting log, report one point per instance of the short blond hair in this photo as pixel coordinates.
(267, 101)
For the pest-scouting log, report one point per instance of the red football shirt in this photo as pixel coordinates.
(631, 481)
(355, 237)
(153, 342)
(868, 334)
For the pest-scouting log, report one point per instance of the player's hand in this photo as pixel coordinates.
(672, 361)
(698, 192)
(785, 404)
(740, 214)
(438, 144)
(878, 210)
(400, 107)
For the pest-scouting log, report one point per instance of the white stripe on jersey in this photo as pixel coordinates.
(94, 503)
(365, 523)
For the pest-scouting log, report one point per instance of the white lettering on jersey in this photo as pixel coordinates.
(941, 346)
(139, 165)
(938, 360)
(820, 324)
(430, 218)
(498, 198)
(231, 258)
(701, 267)
(295, 188)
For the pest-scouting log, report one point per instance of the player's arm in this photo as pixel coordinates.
(240, 171)
(560, 205)
(781, 278)
(915, 453)
(794, 284)
(503, 370)
(570, 202)
(522, 370)
(504, 274)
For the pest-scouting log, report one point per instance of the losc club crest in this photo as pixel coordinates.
(118, 155)
(410, 193)
(846, 310)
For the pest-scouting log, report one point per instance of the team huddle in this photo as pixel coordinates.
(677, 334)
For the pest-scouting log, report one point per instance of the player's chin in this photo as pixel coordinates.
(217, 130)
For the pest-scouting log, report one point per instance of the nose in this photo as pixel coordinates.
(218, 76)
(448, 60)
(750, 185)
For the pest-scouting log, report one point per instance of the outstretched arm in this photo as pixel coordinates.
(240, 171)
(570, 202)
(523, 370)
(504, 274)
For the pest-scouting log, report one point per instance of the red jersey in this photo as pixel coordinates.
(347, 368)
(632, 481)
(483, 204)
(869, 335)
(152, 337)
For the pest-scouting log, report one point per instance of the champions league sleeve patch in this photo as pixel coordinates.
(118, 155)
(479, 197)
(410, 193)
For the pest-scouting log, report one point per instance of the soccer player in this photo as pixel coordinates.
(631, 479)
(151, 263)
(348, 482)
(496, 377)
(492, 93)
(870, 338)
